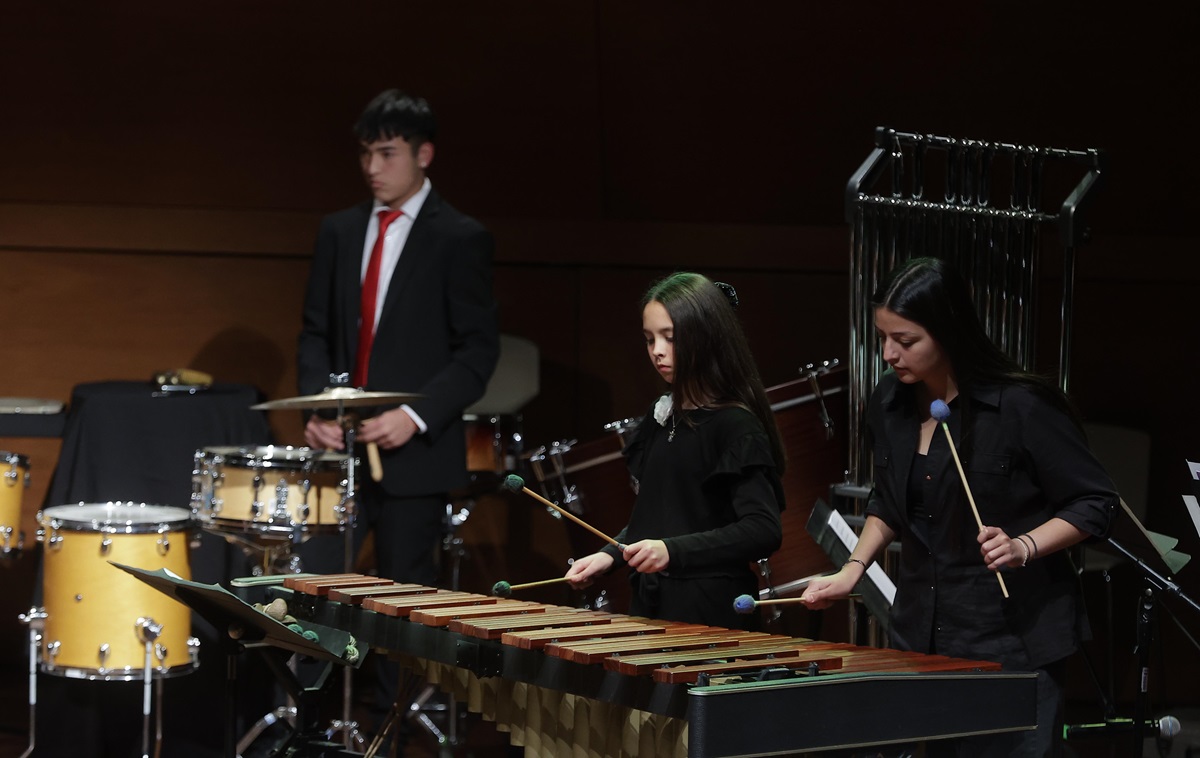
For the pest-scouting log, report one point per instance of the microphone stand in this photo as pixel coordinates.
(1155, 584)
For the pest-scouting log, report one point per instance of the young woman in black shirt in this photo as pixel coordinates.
(1038, 489)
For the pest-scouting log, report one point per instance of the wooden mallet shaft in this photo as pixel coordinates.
(527, 585)
(970, 498)
(514, 482)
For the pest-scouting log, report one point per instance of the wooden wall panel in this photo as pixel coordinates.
(165, 167)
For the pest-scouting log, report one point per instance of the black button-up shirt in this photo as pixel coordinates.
(1026, 462)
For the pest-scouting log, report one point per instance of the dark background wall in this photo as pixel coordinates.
(163, 168)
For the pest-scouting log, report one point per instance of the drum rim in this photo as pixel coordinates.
(268, 529)
(123, 674)
(182, 518)
(253, 454)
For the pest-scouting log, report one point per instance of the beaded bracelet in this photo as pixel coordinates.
(1024, 549)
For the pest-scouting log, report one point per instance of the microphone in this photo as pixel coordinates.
(1165, 728)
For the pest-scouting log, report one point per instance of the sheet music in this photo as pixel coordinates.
(1193, 508)
(850, 540)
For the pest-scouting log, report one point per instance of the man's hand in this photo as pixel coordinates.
(389, 430)
(324, 433)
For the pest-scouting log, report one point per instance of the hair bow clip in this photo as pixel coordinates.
(729, 292)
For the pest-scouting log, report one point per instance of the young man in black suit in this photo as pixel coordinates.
(432, 331)
(400, 297)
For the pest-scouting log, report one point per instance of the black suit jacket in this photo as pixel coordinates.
(437, 333)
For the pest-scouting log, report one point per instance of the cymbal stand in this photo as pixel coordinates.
(347, 725)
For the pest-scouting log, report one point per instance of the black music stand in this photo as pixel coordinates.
(833, 541)
(247, 628)
(1158, 562)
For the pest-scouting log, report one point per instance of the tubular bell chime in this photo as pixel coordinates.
(996, 242)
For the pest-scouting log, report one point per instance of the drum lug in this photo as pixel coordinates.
(148, 631)
(160, 653)
(56, 539)
(102, 654)
(216, 505)
(164, 543)
(256, 506)
(8, 546)
(281, 500)
(304, 510)
(35, 617)
(193, 646)
(52, 649)
(571, 499)
(105, 545)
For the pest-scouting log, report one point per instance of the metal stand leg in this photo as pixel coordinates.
(419, 708)
(35, 620)
(148, 631)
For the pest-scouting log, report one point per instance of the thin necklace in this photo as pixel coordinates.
(671, 434)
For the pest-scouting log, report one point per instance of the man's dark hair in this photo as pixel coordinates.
(395, 114)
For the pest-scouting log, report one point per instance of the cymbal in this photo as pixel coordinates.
(338, 397)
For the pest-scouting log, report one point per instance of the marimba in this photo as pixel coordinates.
(567, 681)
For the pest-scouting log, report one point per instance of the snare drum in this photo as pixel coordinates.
(591, 480)
(95, 613)
(270, 491)
(15, 480)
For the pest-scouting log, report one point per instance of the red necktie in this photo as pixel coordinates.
(370, 296)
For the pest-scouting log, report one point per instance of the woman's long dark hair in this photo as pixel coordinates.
(929, 291)
(713, 364)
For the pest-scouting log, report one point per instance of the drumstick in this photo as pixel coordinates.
(504, 589)
(940, 411)
(517, 484)
(373, 460)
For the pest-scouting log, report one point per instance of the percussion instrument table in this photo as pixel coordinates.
(860, 696)
(125, 441)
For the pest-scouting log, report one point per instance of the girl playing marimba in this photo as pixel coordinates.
(707, 459)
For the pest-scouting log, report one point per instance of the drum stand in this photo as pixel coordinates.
(35, 619)
(148, 632)
(419, 707)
